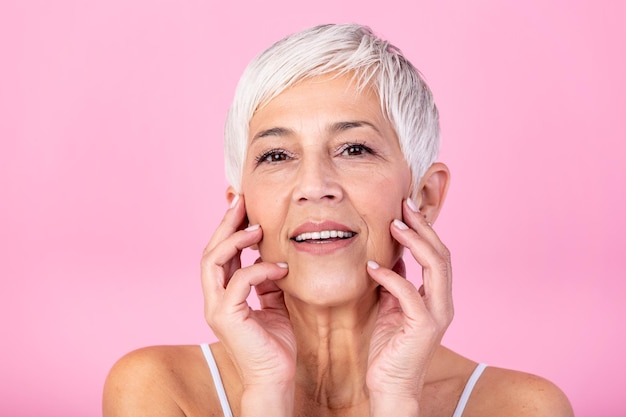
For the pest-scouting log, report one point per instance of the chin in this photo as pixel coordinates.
(325, 286)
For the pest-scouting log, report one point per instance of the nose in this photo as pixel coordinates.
(317, 180)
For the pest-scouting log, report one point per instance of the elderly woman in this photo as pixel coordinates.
(331, 144)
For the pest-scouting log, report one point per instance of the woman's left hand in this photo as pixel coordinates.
(410, 322)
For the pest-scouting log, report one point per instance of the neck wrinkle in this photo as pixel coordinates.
(333, 347)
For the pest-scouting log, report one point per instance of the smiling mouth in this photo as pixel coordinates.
(324, 236)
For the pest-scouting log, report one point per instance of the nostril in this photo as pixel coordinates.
(316, 184)
(330, 197)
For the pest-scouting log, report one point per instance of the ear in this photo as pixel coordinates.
(230, 194)
(432, 191)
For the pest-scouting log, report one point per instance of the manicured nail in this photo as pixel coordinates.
(373, 264)
(282, 265)
(412, 205)
(235, 200)
(252, 228)
(400, 225)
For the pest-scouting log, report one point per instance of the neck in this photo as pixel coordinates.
(333, 346)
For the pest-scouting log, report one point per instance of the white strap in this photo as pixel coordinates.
(217, 380)
(467, 391)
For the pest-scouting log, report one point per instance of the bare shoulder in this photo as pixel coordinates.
(159, 381)
(504, 392)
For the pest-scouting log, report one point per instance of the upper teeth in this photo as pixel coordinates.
(324, 234)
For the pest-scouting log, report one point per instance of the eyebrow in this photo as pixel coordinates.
(275, 131)
(332, 128)
(343, 126)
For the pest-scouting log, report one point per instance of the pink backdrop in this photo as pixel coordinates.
(111, 116)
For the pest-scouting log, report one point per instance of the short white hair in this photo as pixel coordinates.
(405, 98)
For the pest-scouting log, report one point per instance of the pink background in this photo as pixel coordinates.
(111, 116)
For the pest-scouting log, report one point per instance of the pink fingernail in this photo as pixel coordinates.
(373, 264)
(400, 225)
(252, 228)
(282, 264)
(412, 205)
(235, 200)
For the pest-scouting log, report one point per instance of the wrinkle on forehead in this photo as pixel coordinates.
(352, 96)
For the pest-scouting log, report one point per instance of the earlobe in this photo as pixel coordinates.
(230, 194)
(432, 191)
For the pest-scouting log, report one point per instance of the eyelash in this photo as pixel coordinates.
(362, 146)
(264, 157)
(267, 157)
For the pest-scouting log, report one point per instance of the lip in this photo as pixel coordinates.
(310, 227)
(322, 248)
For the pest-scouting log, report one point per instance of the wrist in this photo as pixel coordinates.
(276, 400)
(385, 405)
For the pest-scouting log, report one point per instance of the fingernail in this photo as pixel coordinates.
(235, 200)
(282, 265)
(373, 264)
(252, 228)
(412, 205)
(400, 225)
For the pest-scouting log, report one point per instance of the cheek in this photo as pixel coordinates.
(382, 211)
(264, 206)
(255, 201)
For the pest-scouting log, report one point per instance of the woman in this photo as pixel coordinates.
(331, 144)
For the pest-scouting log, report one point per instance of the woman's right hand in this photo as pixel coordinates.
(261, 343)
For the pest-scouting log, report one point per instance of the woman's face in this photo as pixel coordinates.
(324, 176)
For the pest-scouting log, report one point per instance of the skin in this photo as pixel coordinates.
(340, 331)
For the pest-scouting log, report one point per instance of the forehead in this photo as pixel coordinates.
(323, 100)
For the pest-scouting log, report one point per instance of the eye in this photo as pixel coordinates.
(355, 149)
(273, 156)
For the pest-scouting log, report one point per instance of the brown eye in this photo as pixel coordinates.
(273, 156)
(355, 149)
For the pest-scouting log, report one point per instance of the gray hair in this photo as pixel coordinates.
(405, 98)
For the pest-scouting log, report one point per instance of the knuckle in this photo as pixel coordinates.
(210, 246)
(430, 328)
(206, 258)
(406, 289)
(445, 253)
(443, 265)
(206, 251)
(209, 316)
(446, 317)
(449, 319)
(213, 316)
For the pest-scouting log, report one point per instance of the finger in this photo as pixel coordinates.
(387, 303)
(244, 279)
(235, 243)
(270, 296)
(214, 277)
(416, 221)
(403, 290)
(436, 267)
(234, 219)
(421, 249)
